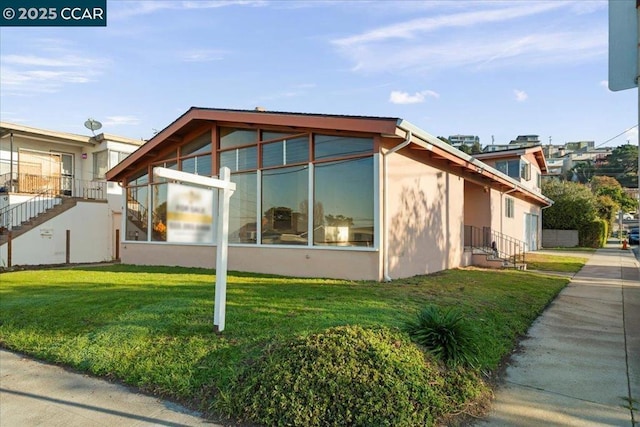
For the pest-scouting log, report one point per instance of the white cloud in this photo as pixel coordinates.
(499, 37)
(412, 28)
(398, 97)
(202, 55)
(32, 74)
(131, 9)
(521, 95)
(605, 84)
(122, 120)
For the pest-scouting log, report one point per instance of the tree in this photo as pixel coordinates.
(607, 209)
(622, 164)
(574, 205)
(609, 186)
(582, 172)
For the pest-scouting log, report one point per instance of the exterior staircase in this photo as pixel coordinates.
(492, 249)
(66, 204)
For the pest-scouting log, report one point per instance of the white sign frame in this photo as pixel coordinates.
(226, 189)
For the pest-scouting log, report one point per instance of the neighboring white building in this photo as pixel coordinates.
(40, 169)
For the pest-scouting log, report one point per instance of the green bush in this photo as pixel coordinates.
(593, 234)
(348, 376)
(446, 334)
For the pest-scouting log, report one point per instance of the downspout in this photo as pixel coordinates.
(541, 209)
(385, 204)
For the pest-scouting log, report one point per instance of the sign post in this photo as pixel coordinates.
(225, 189)
(624, 52)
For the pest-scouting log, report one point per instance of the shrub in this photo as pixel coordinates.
(344, 376)
(593, 234)
(445, 334)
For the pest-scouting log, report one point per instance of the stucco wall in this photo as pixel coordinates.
(299, 261)
(90, 238)
(426, 218)
(477, 205)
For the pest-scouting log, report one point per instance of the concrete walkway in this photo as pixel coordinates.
(38, 394)
(580, 363)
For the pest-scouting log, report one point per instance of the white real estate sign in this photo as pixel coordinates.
(189, 214)
(623, 44)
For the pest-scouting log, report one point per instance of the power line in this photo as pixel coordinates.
(620, 134)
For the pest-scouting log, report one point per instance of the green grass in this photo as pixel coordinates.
(151, 327)
(559, 262)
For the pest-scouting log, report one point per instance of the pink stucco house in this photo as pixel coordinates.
(319, 195)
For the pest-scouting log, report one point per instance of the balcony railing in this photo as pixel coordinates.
(56, 185)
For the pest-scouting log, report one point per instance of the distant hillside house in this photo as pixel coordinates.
(460, 140)
(320, 195)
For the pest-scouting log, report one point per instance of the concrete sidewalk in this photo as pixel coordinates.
(580, 362)
(38, 394)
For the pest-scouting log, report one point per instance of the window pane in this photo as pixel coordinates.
(285, 152)
(268, 136)
(200, 165)
(284, 206)
(137, 213)
(509, 167)
(159, 213)
(327, 146)
(139, 178)
(100, 166)
(230, 137)
(201, 144)
(242, 209)
(343, 211)
(272, 154)
(240, 159)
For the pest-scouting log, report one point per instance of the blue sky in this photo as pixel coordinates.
(493, 69)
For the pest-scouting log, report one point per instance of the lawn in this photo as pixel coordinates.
(151, 327)
(559, 261)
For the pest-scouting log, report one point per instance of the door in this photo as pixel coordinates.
(531, 231)
(66, 175)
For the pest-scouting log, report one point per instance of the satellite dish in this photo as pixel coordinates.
(92, 125)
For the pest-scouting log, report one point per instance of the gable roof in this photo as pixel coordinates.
(389, 127)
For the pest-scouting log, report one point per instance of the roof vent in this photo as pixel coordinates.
(261, 109)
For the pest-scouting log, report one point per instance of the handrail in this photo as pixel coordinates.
(15, 215)
(494, 243)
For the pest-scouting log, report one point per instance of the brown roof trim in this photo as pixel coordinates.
(375, 125)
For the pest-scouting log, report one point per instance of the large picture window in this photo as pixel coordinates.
(285, 195)
(344, 203)
(159, 212)
(289, 186)
(137, 213)
(242, 221)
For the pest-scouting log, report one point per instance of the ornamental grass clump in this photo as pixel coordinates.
(445, 334)
(346, 375)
